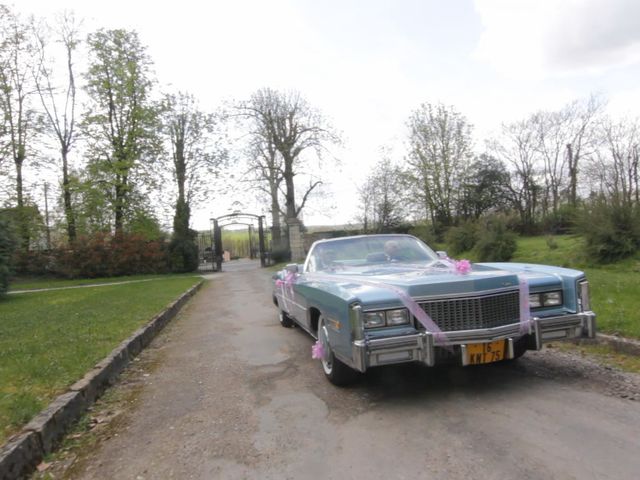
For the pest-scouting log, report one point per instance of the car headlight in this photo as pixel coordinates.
(397, 317)
(373, 319)
(552, 299)
(388, 318)
(545, 299)
(535, 301)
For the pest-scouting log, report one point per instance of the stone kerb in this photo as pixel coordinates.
(41, 435)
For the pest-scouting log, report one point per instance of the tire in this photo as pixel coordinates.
(285, 320)
(337, 372)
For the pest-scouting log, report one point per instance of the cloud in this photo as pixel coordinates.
(543, 38)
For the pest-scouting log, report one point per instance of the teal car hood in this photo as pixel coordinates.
(376, 285)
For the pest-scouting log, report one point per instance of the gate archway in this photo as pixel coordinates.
(238, 218)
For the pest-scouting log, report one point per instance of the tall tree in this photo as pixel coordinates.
(381, 197)
(288, 124)
(122, 122)
(266, 171)
(582, 138)
(485, 187)
(439, 153)
(17, 62)
(564, 137)
(517, 147)
(552, 133)
(59, 101)
(196, 155)
(618, 157)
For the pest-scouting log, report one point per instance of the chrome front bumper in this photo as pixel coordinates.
(421, 346)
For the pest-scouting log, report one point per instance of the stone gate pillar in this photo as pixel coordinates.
(296, 241)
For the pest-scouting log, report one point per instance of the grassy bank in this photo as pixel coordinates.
(49, 339)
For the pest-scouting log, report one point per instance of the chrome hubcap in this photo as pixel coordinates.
(323, 336)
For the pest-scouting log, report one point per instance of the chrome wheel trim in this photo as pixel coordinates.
(323, 338)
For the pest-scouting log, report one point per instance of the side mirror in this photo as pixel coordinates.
(292, 267)
(442, 254)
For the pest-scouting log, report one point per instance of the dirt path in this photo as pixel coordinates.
(233, 395)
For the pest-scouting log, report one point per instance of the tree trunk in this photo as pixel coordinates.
(66, 194)
(290, 201)
(23, 226)
(275, 219)
(119, 208)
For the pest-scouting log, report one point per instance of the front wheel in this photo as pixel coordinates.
(285, 320)
(337, 372)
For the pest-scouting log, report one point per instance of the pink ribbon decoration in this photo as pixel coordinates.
(317, 351)
(525, 308)
(462, 266)
(286, 285)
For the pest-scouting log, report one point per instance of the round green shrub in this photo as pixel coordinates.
(496, 243)
(611, 231)
(183, 255)
(462, 238)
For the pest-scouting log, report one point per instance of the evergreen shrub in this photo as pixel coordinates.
(462, 238)
(611, 231)
(496, 243)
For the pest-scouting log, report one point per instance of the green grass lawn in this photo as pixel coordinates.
(48, 340)
(614, 287)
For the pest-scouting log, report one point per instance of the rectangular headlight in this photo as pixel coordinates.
(552, 299)
(535, 301)
(373, 319)
(397, 317)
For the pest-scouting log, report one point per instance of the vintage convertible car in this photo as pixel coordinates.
(383, 299)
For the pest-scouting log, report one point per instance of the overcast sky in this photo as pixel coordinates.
(367, 64)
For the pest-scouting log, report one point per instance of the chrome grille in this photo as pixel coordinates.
(470, 313)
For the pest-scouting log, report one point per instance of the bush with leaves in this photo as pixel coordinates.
(183, 255)
(97, 255)
(611, 230)
(7, 247)
(462, 238)
(183, 251)
(425, 233)
(561, 222)
(496, 243)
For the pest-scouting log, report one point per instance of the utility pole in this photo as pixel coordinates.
(46, 214)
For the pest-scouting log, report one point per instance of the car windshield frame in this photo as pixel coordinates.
(367, 250)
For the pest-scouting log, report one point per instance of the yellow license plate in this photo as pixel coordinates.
(478, 353)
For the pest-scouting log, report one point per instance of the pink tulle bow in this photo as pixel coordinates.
(463, 266)
(317, 351)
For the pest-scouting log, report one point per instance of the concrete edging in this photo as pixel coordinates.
(619, 344)
(22, 453)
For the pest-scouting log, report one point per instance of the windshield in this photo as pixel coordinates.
(368, 250)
